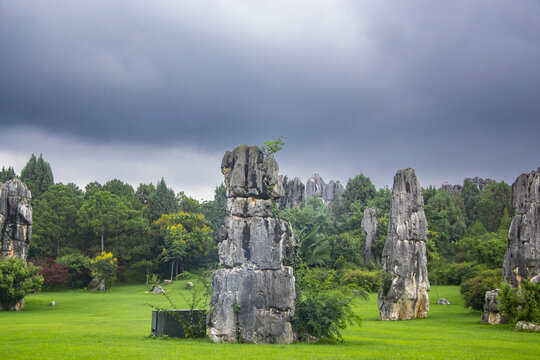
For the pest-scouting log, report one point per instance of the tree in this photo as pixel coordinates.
(360, 188)
(269, 148)
(144, 191)
(37, 175)
(55, 218)
(125, 192)
(188, 237)
(102, 213)
(162, 201)
(7, 174)
(493, 200)
(471, 196)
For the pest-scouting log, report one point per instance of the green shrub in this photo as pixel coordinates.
(16, 280)
(522, 303)
(320, 311)
(442, 273)
(104, 267)
(530, 302)
(474, 289)
(368, 280)
(510, 302)
(78, 266)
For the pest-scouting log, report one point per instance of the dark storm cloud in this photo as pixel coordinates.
(447, 86)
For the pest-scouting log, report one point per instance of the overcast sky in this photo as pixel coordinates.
(139, 90)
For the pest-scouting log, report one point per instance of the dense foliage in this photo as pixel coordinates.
(17, 279)
(152, 229)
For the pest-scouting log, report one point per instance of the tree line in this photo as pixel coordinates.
(151, 229)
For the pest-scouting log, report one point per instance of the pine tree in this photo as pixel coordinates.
(7, 174)
(37, 175)
(162, 201)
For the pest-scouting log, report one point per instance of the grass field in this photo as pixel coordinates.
(116, 325)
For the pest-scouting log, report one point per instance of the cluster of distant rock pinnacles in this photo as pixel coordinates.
(253, 293)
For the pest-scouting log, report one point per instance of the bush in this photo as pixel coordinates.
(103, 268)
(521, 304)
(78, 266)
(321, 312)
(510, 302)
(16, 280)
(441, 273)
(474, 289)
(370, 281)
(53, 273)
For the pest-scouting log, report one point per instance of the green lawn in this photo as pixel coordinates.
(116, 325)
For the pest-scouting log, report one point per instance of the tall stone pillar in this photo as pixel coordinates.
(404, 293)
(522, 259)
(253, 294)
(369, 228)
(15, 219)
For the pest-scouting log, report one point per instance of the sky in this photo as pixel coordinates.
(140, 90)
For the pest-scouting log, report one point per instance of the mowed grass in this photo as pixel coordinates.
(116, 325)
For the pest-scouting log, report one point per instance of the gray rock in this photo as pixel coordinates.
(479, 182)
(523, 326)
(249, 174)
(101, 287)
(15, 219)
(253, 295)
(293, 192)
(158, 290)
(522, 259)
(443, 301)
(369, 228)
(167, 282)
(262, 241)
(315, 186)
(252, 305)
(450, 188)
(405, 294)
(492, 314)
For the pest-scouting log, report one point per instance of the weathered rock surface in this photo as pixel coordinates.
(405, 294)
(15, 219)
(293, 192)
(443, 301)
(479, 182)
(492, 314)
(523, 326)
(369, 228)
(450, 188)
(522, 259)
(253, 295)
(315, 186)
(249, 174)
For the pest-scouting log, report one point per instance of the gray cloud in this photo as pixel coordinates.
(450, 88)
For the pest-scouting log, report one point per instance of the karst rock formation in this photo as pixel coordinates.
(315, 186)
(369, 228)
(15, 219)
(253, 293)
(404, 293)
(293, 192)
(522, 259)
